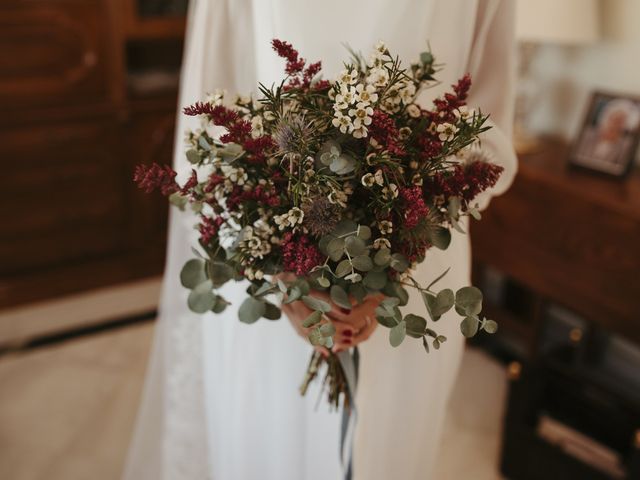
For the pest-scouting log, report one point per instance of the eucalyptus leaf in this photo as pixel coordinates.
(382, 257)
(345, 227)
(340, 297)
(416, 325)
(178, 200)
(358, 292)
(316, 338)
(324, 242)
(468, 301)
(271, 312)
(294, 294)
(193, 156)
(399, 262)
(364, 232)
(386, 313)
(219, 305)
(394, 289)
(193, 273)
(203, 143)
(335, 249)
(397, 334)
(439, 304)
(469, 326)
(219, 273)
(202, 299)
(323, 282)
(453, 208)
(251, 310)
(440, 237)
(316, 304)
(490, 326)
(282, 286)
(343, 268)
(388, 322)
(327, 329)
(375, 280)
(355, 246)
(303, 285)
(475, 213)
(425, 344)
(362, 263)
(312, 319)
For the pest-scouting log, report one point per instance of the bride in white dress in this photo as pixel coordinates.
(221, 398)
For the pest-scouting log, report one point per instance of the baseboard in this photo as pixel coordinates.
(21, 324)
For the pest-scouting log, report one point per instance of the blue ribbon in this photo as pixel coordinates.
(350, 365)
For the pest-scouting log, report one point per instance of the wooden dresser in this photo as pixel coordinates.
(88, 89)
(569, 237)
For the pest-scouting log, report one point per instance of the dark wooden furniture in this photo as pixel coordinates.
(568, 237)
(559, 256)
(80, 105)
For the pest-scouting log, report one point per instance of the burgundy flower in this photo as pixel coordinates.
(414, 206)
(300, 77)
(209, 228)
(299, 254)
(464, 181)
(156, 176)
(383, 129)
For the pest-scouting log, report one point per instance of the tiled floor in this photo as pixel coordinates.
(66, 411)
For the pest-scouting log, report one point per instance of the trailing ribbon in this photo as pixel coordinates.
(350, 365)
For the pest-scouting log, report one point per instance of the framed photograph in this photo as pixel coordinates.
(609, 137)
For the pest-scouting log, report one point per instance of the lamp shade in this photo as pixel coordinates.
(569, 22)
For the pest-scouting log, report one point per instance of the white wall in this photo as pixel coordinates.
(565, 76)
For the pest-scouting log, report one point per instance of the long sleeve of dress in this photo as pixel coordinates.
(492, 67)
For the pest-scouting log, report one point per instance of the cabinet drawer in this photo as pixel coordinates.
(56, 53)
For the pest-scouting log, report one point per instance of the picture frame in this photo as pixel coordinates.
(610, 134)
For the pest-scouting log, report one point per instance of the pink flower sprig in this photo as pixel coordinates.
(155, 176)
(301, 77)
(300, 254)
(465, 181)
(415, 208)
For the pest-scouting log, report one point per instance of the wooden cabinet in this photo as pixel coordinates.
(568, 237)
(71, 133)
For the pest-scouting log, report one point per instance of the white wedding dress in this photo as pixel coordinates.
(221, 398)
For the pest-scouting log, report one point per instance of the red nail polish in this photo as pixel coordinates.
(347, 341)
(344, 310)
(348, 333)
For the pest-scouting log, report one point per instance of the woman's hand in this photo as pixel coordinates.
(352, 326)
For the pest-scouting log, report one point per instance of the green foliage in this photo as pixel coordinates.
(251, 310)
(397, 334)
(313, 318)
(468, 301)
(439, 236)
(438, 305)
(316, 304)
(469, 326)
(340, 297)
(362, 263)
(193, 273)
(202, 299)
(375, 280)
(416, 325)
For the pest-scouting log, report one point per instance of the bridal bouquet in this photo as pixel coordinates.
(342, 186)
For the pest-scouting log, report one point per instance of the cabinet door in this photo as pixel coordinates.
(72, 217)
(57, 53)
